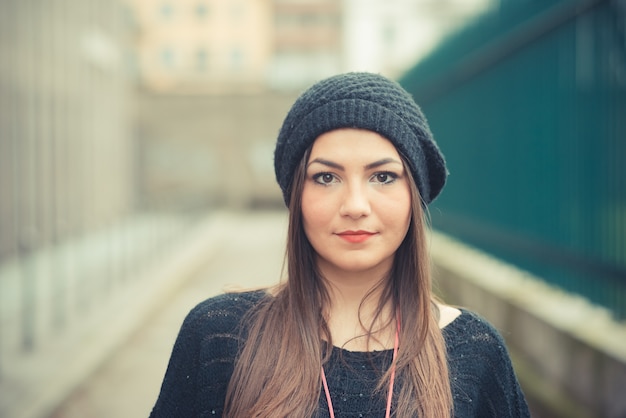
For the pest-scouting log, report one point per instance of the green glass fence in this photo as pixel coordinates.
(529, 106)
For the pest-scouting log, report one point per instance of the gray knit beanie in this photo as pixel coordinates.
(363, 101)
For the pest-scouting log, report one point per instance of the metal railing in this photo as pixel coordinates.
(528, 106)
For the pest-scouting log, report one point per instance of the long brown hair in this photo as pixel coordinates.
(277, 373)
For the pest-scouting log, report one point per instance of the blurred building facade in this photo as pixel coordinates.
(212, 46)
(200, 47)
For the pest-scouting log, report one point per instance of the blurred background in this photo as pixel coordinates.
(136, 155)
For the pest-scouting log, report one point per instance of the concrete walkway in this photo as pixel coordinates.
(249, 254)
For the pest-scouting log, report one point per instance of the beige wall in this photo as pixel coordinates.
(203, 46)
(214, 150)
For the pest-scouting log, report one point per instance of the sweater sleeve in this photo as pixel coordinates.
(482, 376)
(203, 357)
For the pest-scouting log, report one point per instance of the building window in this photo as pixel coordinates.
(166, 11)
(202, 60)
(202, 10)
(236, 59)
(168, 58)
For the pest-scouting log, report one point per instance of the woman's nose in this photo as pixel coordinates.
(355, 202)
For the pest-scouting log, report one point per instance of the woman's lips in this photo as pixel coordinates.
(355, 237)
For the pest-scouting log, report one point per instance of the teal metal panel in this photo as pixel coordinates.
(529, 107)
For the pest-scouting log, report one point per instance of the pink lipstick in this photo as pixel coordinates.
(355, 237)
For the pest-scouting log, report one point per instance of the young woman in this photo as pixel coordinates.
(355, 330)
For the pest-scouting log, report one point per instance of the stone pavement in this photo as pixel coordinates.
(249, 254)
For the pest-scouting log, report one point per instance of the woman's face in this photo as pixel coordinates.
(356, 203)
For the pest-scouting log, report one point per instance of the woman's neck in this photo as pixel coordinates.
(351, 314)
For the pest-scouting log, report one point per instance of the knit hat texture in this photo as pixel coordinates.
(363, 101)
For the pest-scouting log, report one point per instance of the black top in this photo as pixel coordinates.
(481, 376)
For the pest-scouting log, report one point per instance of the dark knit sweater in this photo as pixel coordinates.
(482, 379)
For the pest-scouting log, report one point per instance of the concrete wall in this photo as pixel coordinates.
(570, 356)
(65, 139)
(201, 151)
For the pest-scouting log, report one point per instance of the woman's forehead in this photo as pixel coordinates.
(350, 143)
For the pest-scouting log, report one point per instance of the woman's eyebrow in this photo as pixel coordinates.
(326, 163)
(369, 166)
(382, 162)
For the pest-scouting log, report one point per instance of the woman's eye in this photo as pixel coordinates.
(384, 178)
(324, 178)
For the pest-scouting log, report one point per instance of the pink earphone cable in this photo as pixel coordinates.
(391, 380)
